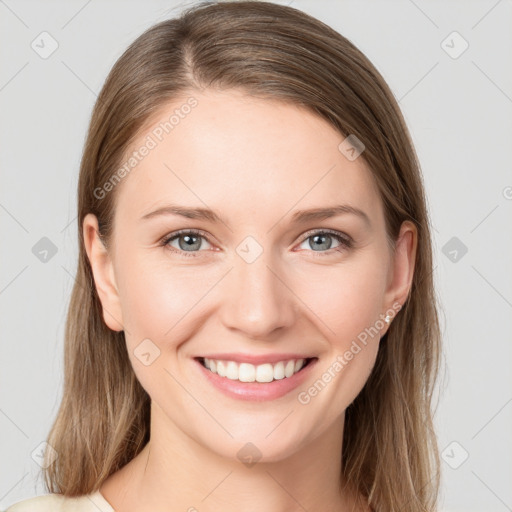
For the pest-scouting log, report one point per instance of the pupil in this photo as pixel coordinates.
(189, 242)
(321, 237)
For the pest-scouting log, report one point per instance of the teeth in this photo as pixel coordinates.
(221, 368)
(232, 370)
(289, 369)
(279, 371)
(246, 372)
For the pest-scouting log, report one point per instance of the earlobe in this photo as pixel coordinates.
(402, 268)
(103, 273)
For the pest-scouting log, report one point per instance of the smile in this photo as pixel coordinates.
(246, 372)
(267, 377)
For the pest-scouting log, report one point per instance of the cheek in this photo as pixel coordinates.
(346, 299)
(161, 304)
(159, 298)
(349, 307)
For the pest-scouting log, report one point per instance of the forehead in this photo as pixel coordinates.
(241, 155)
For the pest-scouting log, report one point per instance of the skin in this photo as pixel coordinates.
(255, 162)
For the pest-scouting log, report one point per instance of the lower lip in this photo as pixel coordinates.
(258, 391)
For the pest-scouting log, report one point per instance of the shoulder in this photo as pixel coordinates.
(59, 503)
(37, 504)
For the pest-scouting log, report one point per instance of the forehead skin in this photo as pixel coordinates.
(255, 161)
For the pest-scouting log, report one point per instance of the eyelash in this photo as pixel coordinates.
(345, 241)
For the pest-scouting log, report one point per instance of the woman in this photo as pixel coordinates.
(254, 324)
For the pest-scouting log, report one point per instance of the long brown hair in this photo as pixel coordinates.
(390, 451)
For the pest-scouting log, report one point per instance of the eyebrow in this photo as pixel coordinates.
(301, 216)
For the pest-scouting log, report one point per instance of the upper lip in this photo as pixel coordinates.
(255, 359)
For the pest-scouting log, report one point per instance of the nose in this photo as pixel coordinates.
(258, 303)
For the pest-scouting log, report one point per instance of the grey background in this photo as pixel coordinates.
(459, 113)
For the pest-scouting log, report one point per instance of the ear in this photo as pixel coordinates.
(103, 272)
(401, 271)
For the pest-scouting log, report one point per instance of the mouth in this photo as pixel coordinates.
(251, 373)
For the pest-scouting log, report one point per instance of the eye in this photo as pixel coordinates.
(188, 241)
(319, 240)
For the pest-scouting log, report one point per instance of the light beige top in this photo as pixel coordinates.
(94, 502)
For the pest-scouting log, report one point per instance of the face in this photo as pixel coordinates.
(255, 278)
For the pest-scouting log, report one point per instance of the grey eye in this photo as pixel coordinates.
(322, 241)
(188, 242)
